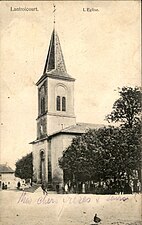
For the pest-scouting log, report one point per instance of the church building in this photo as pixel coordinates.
(56, 121)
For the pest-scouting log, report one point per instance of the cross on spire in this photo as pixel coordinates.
(54, 10)
(55, 65)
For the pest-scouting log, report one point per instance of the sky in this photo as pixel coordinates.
(101, 51)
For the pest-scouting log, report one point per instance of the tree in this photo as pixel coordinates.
(75, 161)
(132, 149)
(109, 152)
(102, 154)
(127, 108)
(123, 146)
(24, 167)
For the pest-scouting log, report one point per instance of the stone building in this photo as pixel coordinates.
(56, 121)
(7, 177)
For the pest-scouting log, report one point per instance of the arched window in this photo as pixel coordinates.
(58, 107)
(63, 103)
(42, 155)
(42, 105)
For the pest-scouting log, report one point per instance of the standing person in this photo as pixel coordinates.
(44, 188)
(3, 186)
(63, 190)
(138, 186)
(83, 188)
(18, 185)
(66, 188)
(74, 188)
(132, 185)
(135, 185)
(79, 188)
(31, 183)
(92, 187)
(57, 188)
(127, 188)
(69, 185)
(121, 187)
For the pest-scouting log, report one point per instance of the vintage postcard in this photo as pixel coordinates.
(70, 104)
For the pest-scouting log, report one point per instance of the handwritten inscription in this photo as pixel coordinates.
(24, 199)
(46, 199)
(76, 200)
(117, 198)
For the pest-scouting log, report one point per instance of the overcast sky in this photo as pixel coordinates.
(101, 51)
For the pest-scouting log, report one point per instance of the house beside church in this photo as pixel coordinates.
(7, 177)
(56, 121)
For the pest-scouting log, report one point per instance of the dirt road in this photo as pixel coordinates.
(21, 208)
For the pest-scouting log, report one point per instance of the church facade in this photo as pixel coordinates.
(56, 121)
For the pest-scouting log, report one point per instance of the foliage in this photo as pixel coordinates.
(24, 167)
(127, 108)
(102, 154)
(109, 152)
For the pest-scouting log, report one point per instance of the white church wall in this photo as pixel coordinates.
(57, 120)
(57, 123)
(59, 143)
(52, 86)
(56, 153)
(67, 140)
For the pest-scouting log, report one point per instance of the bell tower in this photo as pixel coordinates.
(55, 93)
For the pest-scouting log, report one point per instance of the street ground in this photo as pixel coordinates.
(25, 208)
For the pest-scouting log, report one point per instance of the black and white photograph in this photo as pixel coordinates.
(70, 113)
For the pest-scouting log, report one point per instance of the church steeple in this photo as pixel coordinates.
(55, 113)
(55, 63)
(55, 92)
(55, 60)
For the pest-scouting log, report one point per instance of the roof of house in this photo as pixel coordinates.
(4, 168)
(79, 128)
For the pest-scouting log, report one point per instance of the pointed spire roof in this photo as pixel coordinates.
(55, 64)
(55, 61)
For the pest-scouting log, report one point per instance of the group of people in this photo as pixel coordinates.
(108, 187)
(4, 186)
